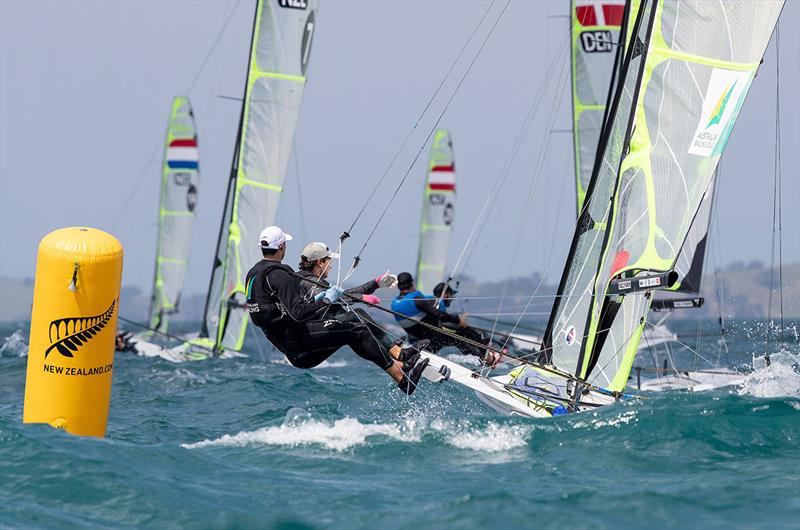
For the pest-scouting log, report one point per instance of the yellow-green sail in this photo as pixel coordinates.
(686, 73)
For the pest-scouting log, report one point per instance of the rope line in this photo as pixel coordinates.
(433, 129)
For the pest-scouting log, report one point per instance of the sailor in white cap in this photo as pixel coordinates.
(299, 328)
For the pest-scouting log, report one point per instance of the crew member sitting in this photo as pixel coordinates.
(432, 310)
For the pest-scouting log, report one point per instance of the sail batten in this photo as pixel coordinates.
(275, 81)
(180, 179)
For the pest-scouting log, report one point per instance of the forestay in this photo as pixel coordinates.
(682, 84)
(595, 33)
(279, 53)
(180, 178)
(438, 213)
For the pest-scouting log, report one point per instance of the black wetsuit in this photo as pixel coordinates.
(439, 340)
(312, 284)
(299, 328)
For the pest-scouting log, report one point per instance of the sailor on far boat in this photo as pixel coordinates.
(432, 310)
(303, 330)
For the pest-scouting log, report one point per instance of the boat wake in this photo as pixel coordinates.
(301, 429)
(339, 435)
(781, 378)
(491, 438)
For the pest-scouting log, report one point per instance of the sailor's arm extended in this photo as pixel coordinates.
(288, 290)
(365, 288)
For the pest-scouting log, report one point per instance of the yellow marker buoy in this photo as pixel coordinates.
(73, 328)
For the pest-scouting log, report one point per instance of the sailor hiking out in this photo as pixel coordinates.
(304, 329)
(432, 310)
(315, 264)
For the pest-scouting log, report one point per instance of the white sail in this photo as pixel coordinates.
(279, 53)
(180, 178)
(438, 213)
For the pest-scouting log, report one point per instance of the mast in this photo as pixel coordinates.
(438, 213)
(180, 179)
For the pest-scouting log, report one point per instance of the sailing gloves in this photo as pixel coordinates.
(387, 279)
(370, 299)
(491, 358)
(333, 293)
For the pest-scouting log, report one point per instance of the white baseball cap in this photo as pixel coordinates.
(317, 250)
(273, 237)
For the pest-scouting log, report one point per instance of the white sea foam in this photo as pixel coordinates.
(780, 378)
(14, 345)
(491, 438)
(339, 435)
(617, 420)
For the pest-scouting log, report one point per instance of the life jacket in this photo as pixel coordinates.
(404, 304)
(263, 304)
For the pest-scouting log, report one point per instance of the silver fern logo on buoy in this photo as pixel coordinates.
(68, 335)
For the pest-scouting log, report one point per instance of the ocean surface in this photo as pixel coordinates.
(255, 443)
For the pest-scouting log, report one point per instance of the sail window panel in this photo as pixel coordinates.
(733, 30)
(632, 225)
(589, 124)
(613, 363)
(570, 326)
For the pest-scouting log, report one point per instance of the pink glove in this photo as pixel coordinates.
(370, 299)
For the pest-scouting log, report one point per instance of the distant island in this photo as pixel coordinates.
(743, 293)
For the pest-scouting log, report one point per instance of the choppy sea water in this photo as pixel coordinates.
(255, 443)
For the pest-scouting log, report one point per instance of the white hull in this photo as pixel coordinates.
(698, 381)
(180, 353)
(499, 394)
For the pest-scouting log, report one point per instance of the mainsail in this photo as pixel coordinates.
(179, 181)
(682, 84)
(595, 33)
(276, 77)
(438, 210)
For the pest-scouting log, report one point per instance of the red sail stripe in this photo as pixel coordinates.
(442, 186)
(613, 14)
(183, 142)
(449, 168)
(586, 15)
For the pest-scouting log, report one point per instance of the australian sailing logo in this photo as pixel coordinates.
(723, 99)
(68, 335)
(719, 108)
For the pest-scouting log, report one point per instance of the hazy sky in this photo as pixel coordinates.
(85, 89)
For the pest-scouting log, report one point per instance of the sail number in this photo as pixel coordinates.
(596, 41)
(293, 4)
